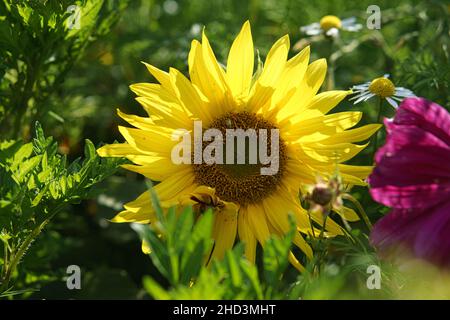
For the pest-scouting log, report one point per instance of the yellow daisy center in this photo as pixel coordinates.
(328, 22)
(241, 183)
(382, 87)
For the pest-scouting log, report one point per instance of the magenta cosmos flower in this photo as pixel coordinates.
(412, 176)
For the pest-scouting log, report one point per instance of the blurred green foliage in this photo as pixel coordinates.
(71, 80)
(180, 250)
(40, 43)
(36, 185)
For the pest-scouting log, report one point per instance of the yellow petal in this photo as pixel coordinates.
(127, 151)
(264, 86)
(331, 227)
(167, 113)
(357, 171)
(136, 121)
(208, 76)
(240, 62)
(141, 209)
(189, 96)
(326, 101)
(327, 125)
(215, 70)
(157, 170)
(257, 221)
(352, 180)
(246, 235)
(173, 187)
(118, 150)
(275, 62)
(347, 213)
(314, 77)
(224, 230)
(291, 78)
(354, 135)
(144, 89)
(277, 210)
(310, 84)
(142, 216)
(156, 140)
(293, 260)
(161, 76)
(332, 153)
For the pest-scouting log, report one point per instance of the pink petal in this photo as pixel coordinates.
(411, 197)
(400, 136)
(433, 238)
(425, 233)
(411, 166)
(397, 228)
(427, 115)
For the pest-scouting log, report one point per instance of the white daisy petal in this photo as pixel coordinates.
(364, 86)
(313, 32)
(358, 95)
(369, 96)
(333, 32)
(403, 92)
(353, 28)
(311, 28)
(363, 98)
(392, 102)
(348, 21)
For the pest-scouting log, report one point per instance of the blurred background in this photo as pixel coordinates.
(76, 96)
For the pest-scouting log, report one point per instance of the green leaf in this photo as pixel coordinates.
(24, 152)
(39, 197)
(196, 246)
(56, 116)
(155, 203)
(233, 267)
(154, 289)
(26, 167)
(89, 150)
(276, 251)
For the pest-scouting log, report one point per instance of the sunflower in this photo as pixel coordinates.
(283, 96)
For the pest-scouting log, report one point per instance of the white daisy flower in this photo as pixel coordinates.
(382, 87)
(330, 26)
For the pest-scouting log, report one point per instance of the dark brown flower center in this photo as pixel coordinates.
(243, 183)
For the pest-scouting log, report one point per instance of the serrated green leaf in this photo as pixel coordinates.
(24, 152)
(39, 197)
(25, 167)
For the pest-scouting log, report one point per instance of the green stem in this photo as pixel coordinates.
(20, 253)
(5, 259)
(331, 67)
(17, 257)
(378, 120)
(361, 210)
(322, 251)
(311, 225)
